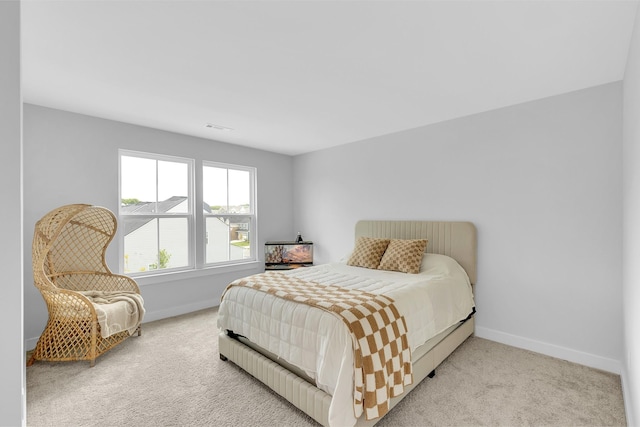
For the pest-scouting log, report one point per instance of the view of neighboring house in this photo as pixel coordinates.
(152, 243)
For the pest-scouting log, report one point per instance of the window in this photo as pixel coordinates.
(229, 212)
(156, 209)
(160, 228)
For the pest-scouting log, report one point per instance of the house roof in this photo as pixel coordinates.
(151, 208)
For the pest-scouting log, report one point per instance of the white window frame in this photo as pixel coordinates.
(189, 215)
(196, 218)
(253, 257)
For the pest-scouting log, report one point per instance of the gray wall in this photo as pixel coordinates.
(542, 181)
(11, 351)
(72, 158)
(631, 224)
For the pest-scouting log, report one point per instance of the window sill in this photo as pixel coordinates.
(188, 274)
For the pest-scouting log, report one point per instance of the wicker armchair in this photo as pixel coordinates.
(69, 246)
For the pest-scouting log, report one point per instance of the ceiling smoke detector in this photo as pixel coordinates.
(218, 127)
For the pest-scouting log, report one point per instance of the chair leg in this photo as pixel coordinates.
(93, 344)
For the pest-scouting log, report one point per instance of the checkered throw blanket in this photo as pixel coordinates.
(381, 349)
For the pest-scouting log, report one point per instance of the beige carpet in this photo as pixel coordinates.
(172, 376)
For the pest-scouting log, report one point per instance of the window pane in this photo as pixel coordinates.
(141, 240)
(174, 243)
(239, 191)
(138, 180)
(140, 244)
(214, 188)
(173, 187)
(227, 239)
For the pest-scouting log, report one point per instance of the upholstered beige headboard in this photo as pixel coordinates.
(455, 239)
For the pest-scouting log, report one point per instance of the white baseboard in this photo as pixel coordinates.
(30, 343)
(582, 358)
(150, 316)
(630, 406)
(182, 309)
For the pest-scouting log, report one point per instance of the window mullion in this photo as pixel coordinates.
(156, 210)
(157, 188)
(196, 227)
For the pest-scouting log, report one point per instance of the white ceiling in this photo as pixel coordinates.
(298, 76)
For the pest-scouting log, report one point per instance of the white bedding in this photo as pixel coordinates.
(318, 342)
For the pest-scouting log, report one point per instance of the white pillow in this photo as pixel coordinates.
(435, 264)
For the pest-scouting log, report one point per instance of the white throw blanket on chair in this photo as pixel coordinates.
(117, 311)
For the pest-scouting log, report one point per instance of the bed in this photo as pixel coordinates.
(306, 355)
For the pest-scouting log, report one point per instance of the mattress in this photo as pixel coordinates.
(318, 343)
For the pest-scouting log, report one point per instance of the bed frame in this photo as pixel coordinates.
(455, 239)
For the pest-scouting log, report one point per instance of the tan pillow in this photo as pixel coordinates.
(368, 252)
(403, 255)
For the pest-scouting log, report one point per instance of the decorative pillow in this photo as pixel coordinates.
(368, 252)
(403, 255)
